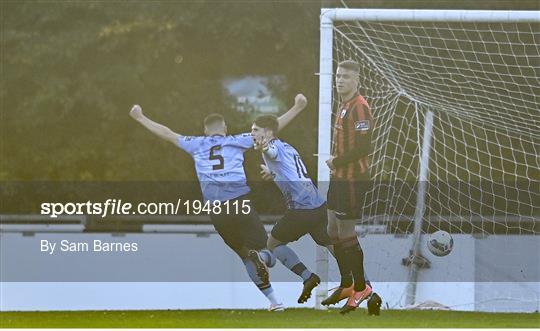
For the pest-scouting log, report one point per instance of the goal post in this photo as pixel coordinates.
(469, 79)
(427, 15)
(420, 207)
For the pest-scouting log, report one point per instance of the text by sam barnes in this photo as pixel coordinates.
(96, 245)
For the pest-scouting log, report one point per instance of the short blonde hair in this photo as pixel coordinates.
(213, 119)
(350, 65)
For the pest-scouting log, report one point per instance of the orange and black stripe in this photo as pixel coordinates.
(346, 137)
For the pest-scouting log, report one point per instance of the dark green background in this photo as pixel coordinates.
(71, 70)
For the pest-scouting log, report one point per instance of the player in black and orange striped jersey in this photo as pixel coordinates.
(349, 181)
(351, 140)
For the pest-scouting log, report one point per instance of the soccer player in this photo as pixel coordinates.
(219, 165)
(306, 209)
(349, 181)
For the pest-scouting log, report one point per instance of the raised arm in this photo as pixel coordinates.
(159, 130)
(300, 103)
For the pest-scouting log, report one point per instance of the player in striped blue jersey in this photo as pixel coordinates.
(219, 165)
(306, 208)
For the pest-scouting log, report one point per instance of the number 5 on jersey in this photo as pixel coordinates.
(214, 156)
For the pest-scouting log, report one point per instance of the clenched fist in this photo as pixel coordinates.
(136, 112)
(300, 101)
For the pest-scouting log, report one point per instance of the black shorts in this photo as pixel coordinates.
(298, 222)
(346, 197)
(240, 230)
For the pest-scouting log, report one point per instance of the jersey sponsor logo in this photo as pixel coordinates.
(361, 125)
(343, 113)
(188, 138)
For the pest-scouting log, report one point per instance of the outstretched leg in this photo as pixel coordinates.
(263, 285)
(290, 260)
(246, 236)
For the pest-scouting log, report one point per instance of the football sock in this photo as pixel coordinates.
(265, 288)
(301, 270)
(270, 295)
(290, 260)
(252, 272)
(354, 257)
(344, 269)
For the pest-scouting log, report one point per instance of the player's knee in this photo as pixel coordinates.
(346, 229)
(349, 242)
(334, 235)
(334, 238)
(332, 231)
(331, 216)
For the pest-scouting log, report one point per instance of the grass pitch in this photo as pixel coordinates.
(291, 318)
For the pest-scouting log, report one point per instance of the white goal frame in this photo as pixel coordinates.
(327, 19)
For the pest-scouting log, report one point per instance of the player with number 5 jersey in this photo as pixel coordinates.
(219, 163)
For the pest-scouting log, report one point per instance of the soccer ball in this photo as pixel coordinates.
(440, 243)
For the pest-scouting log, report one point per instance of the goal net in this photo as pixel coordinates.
(477, 72)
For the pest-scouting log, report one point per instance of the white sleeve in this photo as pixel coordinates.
(188, 143)
(243, 140)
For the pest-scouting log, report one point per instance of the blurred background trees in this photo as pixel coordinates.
(70, 72)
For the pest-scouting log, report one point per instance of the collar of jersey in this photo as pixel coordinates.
(346, 103)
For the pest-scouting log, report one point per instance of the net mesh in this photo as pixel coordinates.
(481, 81)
